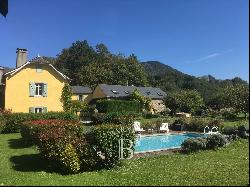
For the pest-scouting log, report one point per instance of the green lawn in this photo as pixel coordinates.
(226, 166)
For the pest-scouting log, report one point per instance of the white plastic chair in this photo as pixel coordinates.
(164, 127)
(137, 127)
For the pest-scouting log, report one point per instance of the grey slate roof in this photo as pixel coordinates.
(39, 60)
(117, 91)
(81, 90)
(6, 69)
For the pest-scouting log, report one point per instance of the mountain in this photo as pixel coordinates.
(169, 79)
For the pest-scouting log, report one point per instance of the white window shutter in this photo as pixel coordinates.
(32, 89)
(44, 109)
(45, 89)
(31, 109)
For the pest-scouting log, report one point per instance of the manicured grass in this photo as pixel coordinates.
(226, 166)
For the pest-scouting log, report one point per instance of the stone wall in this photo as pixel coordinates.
(158, 106)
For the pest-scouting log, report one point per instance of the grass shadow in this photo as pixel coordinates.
(18, 144)
(29, 163)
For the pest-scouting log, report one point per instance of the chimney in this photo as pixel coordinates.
(1, 74)
(21, 57)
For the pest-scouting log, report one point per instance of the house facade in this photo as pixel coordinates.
(104, 91)
(81, 93)
(33, 86)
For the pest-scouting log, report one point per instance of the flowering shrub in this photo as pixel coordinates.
(15, 120)
(30, 129)
(56, 147)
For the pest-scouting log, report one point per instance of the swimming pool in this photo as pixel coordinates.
(162, 142)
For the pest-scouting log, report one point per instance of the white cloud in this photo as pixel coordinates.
(213, 55)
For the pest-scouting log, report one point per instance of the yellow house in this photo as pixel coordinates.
(34, 86)
(81, 93)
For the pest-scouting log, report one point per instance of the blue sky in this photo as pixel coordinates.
(197, 37)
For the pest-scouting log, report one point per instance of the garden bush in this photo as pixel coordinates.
(30, 129)
(107, 106)
(229, 113)
(216, 140)
(230, 130)
(242, 131)
(196, 124)
(114, 118)
(56, 146)
(194, 144)
(107, 137)
(14, 120)
(2, 122)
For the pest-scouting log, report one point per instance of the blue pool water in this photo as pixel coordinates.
(160, 142)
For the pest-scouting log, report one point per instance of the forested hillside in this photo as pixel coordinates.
(170, 79)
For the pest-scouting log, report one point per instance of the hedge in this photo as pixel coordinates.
(114, 118)
(107, 106)
(30, 129)
(14, 120)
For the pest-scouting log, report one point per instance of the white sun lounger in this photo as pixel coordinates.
(164, 127)
(137, 127)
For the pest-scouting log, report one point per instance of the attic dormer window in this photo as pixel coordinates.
(160, 94)
(126, 92)
(115, 92)
(39, 68)
(148, 93)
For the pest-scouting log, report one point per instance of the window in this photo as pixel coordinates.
(39, 68)
(115, 92)
(148, 93)
(160, 94)
(38, 89)
(38, 110)
(80, 97)
(126, 92)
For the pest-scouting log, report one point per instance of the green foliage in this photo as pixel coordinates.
(66, 98)
(31, 129)
(213, 141)
(78, 106)
(216, 140)
(15, 120)
(229, 113)
(229, 130)
(196, 124)
(237, 97)
(144, 101)
(106, 139)
(185, 101)
(56, 147)
(115, 118)
(122, 106)
(2, 123)
(89, 66)
(194, 144)
(69, 159)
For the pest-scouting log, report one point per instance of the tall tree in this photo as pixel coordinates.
(71, 60)
(185, 101)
